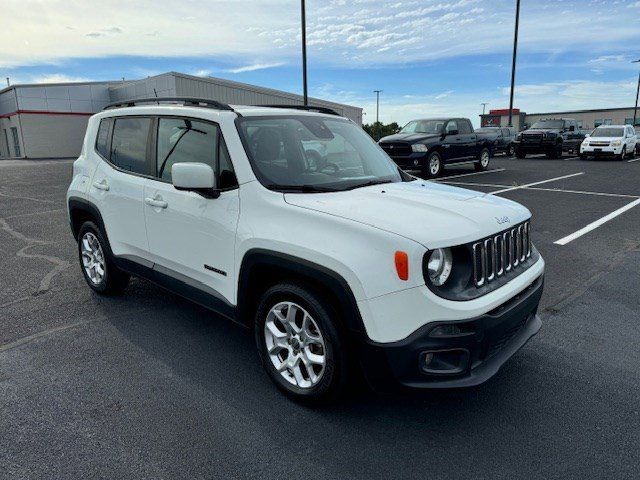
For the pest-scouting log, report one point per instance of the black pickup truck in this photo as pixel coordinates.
(551, 137)
(430, 144)
(502, 138)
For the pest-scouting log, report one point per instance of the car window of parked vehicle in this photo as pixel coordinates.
(548, 124)
(465, 126)
(608, 132)
(423, 126)
(452, 126)
(129, 144)
(102, 139)
(307, 154)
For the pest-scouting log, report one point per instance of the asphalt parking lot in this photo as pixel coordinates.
(148, 385)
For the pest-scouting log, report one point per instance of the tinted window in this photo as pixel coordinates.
(465, 127)
(452, 126)
(102, 140)
(608, 132)
(129, 144)
(226, 175)
(548, 124)
(423, 126)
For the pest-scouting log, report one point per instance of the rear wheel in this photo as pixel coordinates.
(434, 165)
(96, 262)
(483, 163)
(300, 345)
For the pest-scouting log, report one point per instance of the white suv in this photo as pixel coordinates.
(616, 141)
(338, 261)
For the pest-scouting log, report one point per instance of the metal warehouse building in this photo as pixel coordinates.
(49, 121)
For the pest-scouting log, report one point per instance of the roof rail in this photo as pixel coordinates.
(186, 101)
(309, 108)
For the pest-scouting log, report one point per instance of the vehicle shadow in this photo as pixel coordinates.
(516, 425)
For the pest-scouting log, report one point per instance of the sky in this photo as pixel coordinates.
(429, 57)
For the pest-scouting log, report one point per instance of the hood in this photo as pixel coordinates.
(410, 137)
(429, 213)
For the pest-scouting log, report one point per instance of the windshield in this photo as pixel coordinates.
(312, 154)
(423, 126)
(548, 124)
(608, 132)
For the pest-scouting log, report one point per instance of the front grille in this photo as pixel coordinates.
(495, 256)
(599, 144)
(396, 149)
(532, 138)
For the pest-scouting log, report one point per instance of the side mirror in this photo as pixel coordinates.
(587, 135)
(197, 177)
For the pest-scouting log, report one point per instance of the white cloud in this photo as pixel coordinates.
(340, 33)
(254, 67)
(49, 78)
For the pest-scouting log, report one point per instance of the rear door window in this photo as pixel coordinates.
(129, 144)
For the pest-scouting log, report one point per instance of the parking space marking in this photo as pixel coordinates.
(634, 160)
(540, 189)
(471, 184)
(597, 223)
(536, 183)
(472, 173)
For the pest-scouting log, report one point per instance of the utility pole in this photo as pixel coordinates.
(8, 82)
(513, 63)
(635, 110)
(484, 104)
(304, 51)
(377, 92)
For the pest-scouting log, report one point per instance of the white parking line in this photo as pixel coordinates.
(473, 173)
(540, 189)
(471, 184)
(597, 223)
(536, 183)
(634, 160)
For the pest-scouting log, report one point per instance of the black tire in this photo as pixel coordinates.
(583, 156)
(479, 166)
(555, 151)
(520, 154)
(114, 280)
(333, 380)
(428, 171)
(623, 154)
(511, 150)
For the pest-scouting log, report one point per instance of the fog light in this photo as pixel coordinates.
(446, 362)
(426, 359)
(416, 163)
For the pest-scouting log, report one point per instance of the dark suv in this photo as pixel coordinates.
(552, 137)
(502, 138)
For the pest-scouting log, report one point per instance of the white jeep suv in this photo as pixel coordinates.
(615, 141)
(339, 262)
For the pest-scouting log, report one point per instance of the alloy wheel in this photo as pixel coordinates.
(295, 344)
(484, 159)
(92, 258)
(434, 165)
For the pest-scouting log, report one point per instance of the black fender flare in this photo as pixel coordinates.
(77, 204)
(299, 268)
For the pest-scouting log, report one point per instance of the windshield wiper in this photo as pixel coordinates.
(301, 188)
(369, 184)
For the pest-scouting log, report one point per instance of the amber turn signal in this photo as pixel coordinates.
(402, 265)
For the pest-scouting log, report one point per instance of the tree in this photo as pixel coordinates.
(377, 130)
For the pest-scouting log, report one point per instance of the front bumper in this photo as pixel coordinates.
(414, 160)
(534, 147)
(485, 344)
(601, 151)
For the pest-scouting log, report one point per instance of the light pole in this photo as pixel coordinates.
(513, 63)
(377, 92)
(304, 51)
(635, 110)
(484, 104)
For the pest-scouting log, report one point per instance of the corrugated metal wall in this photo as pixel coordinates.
(164, 85)
(59, 136)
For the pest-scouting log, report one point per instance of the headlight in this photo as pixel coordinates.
(419, 147)
(616, 143)
(439, 266)
(585, 142)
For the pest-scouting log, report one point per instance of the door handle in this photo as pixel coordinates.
(102, 185)
(156, 202)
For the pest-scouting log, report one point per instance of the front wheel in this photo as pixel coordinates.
(555, 151)
(434, 166)
(300, 345)
(485, 157)
(511, 150)
(623, 154)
